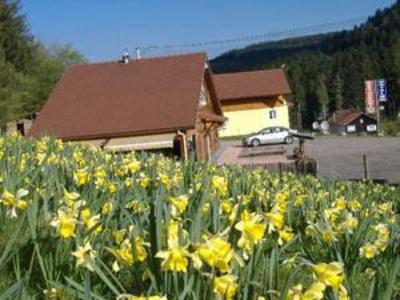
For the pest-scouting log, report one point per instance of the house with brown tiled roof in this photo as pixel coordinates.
(350, 121)
(166, 104)
(252, 101)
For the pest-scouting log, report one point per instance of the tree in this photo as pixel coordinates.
(299, 95)
(48, 67)
(16, 42)
(322, 96)
(28, 71)
(337, 85)
(346, 58)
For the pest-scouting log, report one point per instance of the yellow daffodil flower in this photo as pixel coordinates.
(65, 224)
(85, 256)
(216, 253)
(295, 293)
(12, 203)
(174, 259)
(143, 180)
(314, 292)
(220, 185)
(329, 274)
(81, 177)
(125, 256)
(179, 205)
(112, 187)
(276, 221)
(368, 251)
(252, 231)
(225, 286)
(285, 236)
(107, 208)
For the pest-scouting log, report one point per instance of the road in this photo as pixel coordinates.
(342, 157)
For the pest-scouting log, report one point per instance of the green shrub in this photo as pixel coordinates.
(391, 127)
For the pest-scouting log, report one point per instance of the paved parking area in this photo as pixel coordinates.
(337, 157)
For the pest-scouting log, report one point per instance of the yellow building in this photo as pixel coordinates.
(252, 101)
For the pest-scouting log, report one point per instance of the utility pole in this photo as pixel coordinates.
(377, 109)
(138, 53)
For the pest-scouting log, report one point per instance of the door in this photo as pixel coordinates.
(276, 135)
(283, 133)
(266, 136)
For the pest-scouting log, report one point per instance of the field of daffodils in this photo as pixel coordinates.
(80, 223)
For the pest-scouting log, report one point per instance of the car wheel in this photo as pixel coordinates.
(289, 140)
(255, 142)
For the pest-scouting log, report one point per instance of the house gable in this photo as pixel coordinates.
(105, 100)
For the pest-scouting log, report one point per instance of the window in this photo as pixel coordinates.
(272, 114)
(266, 131)
(351, 128)
(203, 96)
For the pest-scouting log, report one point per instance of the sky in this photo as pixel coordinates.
(103, 29)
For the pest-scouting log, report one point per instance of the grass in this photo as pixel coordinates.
(391, 127)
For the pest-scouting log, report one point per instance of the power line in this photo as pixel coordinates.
(259, 38)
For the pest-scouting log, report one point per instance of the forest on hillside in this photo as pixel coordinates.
(28, 69)
(327, 71)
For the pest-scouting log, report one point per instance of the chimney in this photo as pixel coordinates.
(138, 54)
(125, 57)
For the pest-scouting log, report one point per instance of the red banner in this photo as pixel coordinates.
(370, 97)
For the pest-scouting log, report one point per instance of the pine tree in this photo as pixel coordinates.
(322, 96)
(28, 71)
(346, 58)
(338, 90)
(15, 40)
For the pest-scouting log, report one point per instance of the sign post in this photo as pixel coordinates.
(375, 93)
(370, 97)
(381, 85)
(378, 121)
(381, 96)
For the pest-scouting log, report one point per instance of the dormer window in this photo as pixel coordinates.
(203, 96)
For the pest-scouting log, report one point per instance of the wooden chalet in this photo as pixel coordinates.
(351, 121)
(165, 104)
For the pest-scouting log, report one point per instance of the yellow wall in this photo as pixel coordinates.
(242, 122)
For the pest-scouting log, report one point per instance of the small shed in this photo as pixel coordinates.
(351, 121)
(21, 126)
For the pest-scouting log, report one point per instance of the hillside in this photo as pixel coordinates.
(327, 71)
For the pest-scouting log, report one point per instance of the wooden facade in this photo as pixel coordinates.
(206, 133)
(256, 103)
(351, 122)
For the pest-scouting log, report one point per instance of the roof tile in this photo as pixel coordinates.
(253, 84)
(115, 99)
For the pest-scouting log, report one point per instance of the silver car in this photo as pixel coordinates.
(271, 135)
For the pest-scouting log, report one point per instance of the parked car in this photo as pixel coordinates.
(271, 135)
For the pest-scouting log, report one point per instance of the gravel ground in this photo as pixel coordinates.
(342, 157)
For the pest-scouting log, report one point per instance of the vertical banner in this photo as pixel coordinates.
(370, 96)
(381, 89)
